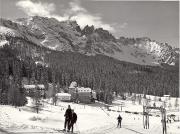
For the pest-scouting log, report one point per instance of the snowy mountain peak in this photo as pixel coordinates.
(68, 36)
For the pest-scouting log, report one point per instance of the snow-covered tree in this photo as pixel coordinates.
(164, 104)
(54, 89)
(133, 99)
(139, 99)
(176, 104)
(37, 101)
(155, 98)
(169, 105)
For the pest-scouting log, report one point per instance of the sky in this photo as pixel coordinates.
(158, 20)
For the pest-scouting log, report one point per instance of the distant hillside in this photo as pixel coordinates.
(102, 73)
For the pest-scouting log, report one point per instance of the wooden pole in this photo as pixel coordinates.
(165, 128)
(143, 117)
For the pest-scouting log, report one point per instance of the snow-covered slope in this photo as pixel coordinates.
(6, 32)
(67, 36)
(92, 119)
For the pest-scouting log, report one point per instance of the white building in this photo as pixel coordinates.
(31, 89)
(63, 96)
(81, 94)
(83, 89)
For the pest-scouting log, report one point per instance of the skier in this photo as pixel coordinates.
(119, 118)
(68, 115)
(73, 120)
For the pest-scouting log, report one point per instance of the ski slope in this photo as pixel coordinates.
(92, 119)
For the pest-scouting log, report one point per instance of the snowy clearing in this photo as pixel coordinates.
(92, 119)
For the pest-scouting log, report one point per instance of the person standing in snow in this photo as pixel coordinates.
(68, 116)
(119, 118)
(73, 120)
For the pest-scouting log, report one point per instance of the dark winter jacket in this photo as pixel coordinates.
(68, 114)
(119, 118)
(74, 118)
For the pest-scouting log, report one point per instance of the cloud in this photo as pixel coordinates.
(74, 11)
(86, 19)
(75, 6)
(83, 17)
(124, 25)
(33, 8)
(120, 28)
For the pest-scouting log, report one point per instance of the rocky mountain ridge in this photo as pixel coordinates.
(68, 36)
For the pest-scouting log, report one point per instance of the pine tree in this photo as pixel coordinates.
(54, 88)
(17, 97)
(37, 99)
(11, 91)
(58, 87)
(140, 99)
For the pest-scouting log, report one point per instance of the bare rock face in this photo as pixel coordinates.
(68, 36)
(88, 30)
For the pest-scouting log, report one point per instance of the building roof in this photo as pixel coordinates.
(41, 86)
(29, 86)
(83, 89)
(166, 95)
(63, 94)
